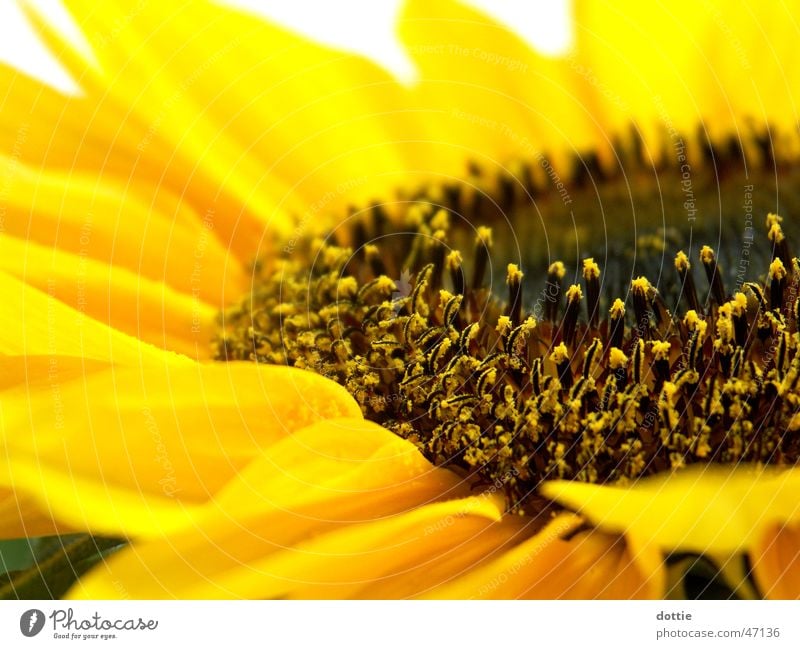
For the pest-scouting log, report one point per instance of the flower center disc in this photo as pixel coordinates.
(574, 381)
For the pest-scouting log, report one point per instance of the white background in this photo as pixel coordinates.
(364, 26)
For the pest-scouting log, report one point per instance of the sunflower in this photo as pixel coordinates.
(257, 348)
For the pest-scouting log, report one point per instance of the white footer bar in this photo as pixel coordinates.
(401, 624)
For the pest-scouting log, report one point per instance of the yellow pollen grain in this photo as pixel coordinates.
(347, 287)
(691, 319)
(724, 326)
(694, 322)
(503, 324)
(773, 219)
(777, 270)
(334, 256)
(640, 285)
(617, 358)
(682, 262)
(558, 269)
(661, 349)
(739, 304)
(445, 296)
(617, 309)
(440, 220)
(514, 274)
(454, 260)
(775, 233)
(386, 284)
(483, 236)
(559, 354)
(574, 293)
(590, 269)
(668, 392)
(317, 245)
(707, 255)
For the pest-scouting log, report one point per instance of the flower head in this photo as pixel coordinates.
(224, 188)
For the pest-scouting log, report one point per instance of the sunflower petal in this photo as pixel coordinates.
(246, 561)
(108, 223)
(719, 68)
(318, 125)
(21, 517)
(128, 450)
(341, 508)
(559, 563)
(700, 509)
(331, 460)
(43, 371)
(488, 93)
(776, 562)
(34, 323)
(147, 309)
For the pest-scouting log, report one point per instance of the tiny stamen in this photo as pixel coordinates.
(483, 248)
(777, 281)
(714, 274)
(568, 330)
(688, 289)
(514, 281)
(591, 275)
(555, 274)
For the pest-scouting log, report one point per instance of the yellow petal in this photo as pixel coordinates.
(127, 301)
(244, 116)
(700, 509)
(126, 451)
(720, 67)
(336, 459)
(93, 135)
(342, 508)
(487, 94)
(776, 562)
(33, 323)
(43, 371)
(21, 517)
(334, 564)
(107, 222)
(557, 563)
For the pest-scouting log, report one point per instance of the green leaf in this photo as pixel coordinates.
(60, 561)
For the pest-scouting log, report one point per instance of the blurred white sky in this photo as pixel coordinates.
(364, 26)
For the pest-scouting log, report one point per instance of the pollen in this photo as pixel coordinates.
(590, 269)
(557, 269)
(617, 309)
(617, 359)
(408, 322)
(682, 262)
(777, 270)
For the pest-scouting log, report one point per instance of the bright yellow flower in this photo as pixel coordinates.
(205, 139)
